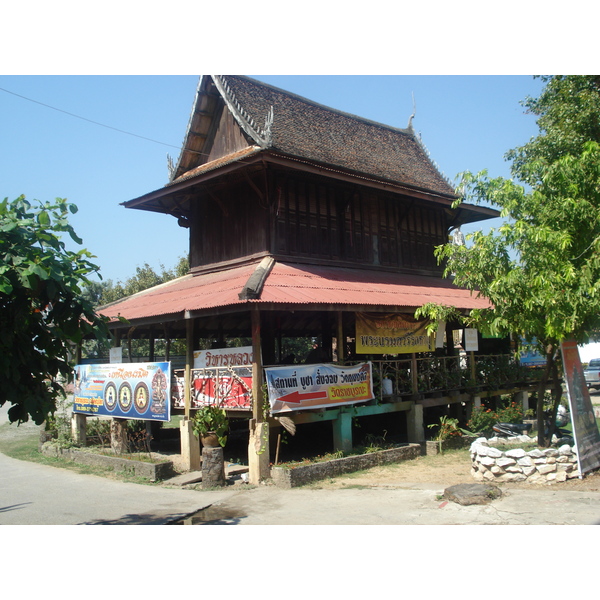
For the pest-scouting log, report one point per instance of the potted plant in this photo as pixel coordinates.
(211, 425)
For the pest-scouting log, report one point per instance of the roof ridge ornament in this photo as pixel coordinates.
(417, 137)
(262, 136)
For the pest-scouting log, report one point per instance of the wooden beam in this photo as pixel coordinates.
(257, 368)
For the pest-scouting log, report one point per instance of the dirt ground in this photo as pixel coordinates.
(446, 469)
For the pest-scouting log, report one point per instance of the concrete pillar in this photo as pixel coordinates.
(342, 432)
(415, 427)
(522, 398)
(190, 445)
(258, 452)
(78, 429)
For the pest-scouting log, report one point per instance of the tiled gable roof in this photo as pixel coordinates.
(305, 130)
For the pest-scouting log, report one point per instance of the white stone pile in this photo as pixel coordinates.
(548, 465)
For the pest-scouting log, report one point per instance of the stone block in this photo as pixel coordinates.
(486, 461)
(526, 461)
(467, 494)
(527, 471)
(565, 449)
(545, 469)
(516, 453)
(506, 462)
(535, 453)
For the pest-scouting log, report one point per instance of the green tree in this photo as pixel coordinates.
(541, 268)
(43, 311)
(106, 292)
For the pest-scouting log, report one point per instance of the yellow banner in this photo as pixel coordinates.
(391, 334)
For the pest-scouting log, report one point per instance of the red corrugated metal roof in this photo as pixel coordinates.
(293, 284)
(331, 285)
(191, 292)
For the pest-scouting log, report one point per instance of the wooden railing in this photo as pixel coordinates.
(466, 374)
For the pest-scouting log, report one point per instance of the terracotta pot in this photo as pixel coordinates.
(210, 440)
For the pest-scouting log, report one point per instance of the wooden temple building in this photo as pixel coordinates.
(300, 217)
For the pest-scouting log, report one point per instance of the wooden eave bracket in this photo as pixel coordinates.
(253, 287)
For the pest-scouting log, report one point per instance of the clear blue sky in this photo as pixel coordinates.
(466, 122)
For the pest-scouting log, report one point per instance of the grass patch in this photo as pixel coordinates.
(24, 446)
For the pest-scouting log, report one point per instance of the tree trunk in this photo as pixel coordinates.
(557, 389)
(541, 425)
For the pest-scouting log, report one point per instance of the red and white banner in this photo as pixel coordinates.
(300, 387)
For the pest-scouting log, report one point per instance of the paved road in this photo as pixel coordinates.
(34, 494)
(37, 495)
(31, 493)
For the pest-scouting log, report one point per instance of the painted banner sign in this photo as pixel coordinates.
(124, 390)
(223, 357)
(391, 334)
(220, 376)
(585, 429)
(300, 387)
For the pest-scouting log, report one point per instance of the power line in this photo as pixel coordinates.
(95, 122)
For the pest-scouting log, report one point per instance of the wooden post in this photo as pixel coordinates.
(341, 340)
(258, 447)
(190, 444)
(189, 363)
(413, 373)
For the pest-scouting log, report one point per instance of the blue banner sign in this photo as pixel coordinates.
(124, 390)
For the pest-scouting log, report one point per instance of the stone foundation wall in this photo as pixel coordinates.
(548, 465)
(287, 478)
(151, 471)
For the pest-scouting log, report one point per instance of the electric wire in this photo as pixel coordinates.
(96, 122)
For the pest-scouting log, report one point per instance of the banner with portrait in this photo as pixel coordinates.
(124, 390)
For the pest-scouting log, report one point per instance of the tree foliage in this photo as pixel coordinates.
(145, 277)
(541, 268)
(43, 311)
(106, 292)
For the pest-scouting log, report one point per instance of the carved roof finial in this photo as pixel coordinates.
(263, 137)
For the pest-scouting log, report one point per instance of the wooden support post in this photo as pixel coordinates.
(189, 363)
(413, 373)
(190, 444)
(341, 340)
(342, 431)
(258, 446)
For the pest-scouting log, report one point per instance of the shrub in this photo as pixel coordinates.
(482, 419)
(510, 413)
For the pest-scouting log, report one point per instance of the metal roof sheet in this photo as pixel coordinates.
(292, 284)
